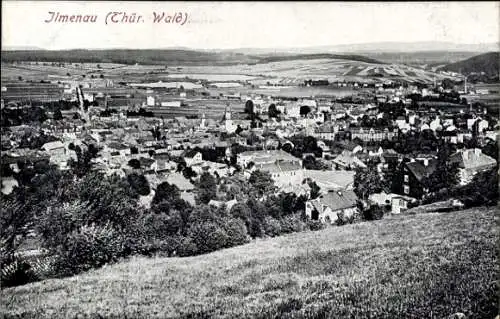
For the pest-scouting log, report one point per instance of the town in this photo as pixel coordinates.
(175, 132)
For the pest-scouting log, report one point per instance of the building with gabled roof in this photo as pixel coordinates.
(471, 162)
(327, 207)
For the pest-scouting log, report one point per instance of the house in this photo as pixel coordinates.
(284, 173)
(184, 185)
(8, 185)
(58, 153)
(54, 148)
(471, 162)
(331, 180)
(228, 205)
(325, 132)
(414, 174)
(351, 147)
(264, 157)
(370, 134)
(347, 161)
(192, 157)
(327, 207)
(398, 203)
(117, 149)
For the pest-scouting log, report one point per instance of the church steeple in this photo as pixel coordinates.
(227, 112)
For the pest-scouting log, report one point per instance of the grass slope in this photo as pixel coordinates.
(420, 266)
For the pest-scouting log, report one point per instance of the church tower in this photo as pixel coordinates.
(228, 120)
(203, 120)
(227, 112)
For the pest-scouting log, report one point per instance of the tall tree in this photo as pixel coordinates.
(262, 182)
(273, 111)
(367, 181)
(304, 110)
(207, 188)
(249, 107)
(446, 173)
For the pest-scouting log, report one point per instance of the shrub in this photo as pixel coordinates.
(208, 236)
(236, 232)
(15, 273)
(88, 247)
(272, 226)
(315, 225)
(292, 223)
(139, 183)
(374, 212)
(187, 247)
(344, 220)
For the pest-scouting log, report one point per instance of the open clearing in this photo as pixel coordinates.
(413, 266)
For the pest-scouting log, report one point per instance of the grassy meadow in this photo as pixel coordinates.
(414, 266)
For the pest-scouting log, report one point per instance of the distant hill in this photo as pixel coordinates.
(164, 56)
(376, 47)
(278, 58)
(487, 63)
(127, 56)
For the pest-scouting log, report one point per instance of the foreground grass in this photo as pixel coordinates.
(420, 266)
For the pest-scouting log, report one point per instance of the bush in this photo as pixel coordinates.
(374, 212)
(15, 273)
(236, 232)
(88, 247)
(315, 225)
(272, 226)
(187, 247)
(344, 220)
(208, 236)
(292, 223)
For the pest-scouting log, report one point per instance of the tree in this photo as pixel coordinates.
(15, 220)
(134, 150)
(491, 149)
(315, 190)
(189, 173)
(139, 183)
(374, 212)
(262, 182)
(207, 188)
(287, 147)
(249, 108)
(482, 190)
(134, 163)
(58, 115)
(304, 110)
(238, 130)
(446, 173)
(273, 111)
(367, 181)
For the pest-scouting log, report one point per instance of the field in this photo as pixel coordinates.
(287, 72)
(413, 266)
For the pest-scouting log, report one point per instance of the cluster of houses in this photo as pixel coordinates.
(158, 145)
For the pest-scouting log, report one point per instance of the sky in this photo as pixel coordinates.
(224, 25)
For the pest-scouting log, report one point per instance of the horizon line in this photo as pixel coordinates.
(35, 48)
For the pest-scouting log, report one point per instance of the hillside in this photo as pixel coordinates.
(420, 266)
(162, 56)
(278, 58)
(487, 63)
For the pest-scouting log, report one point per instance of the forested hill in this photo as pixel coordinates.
(487, 63)
(163, 56)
